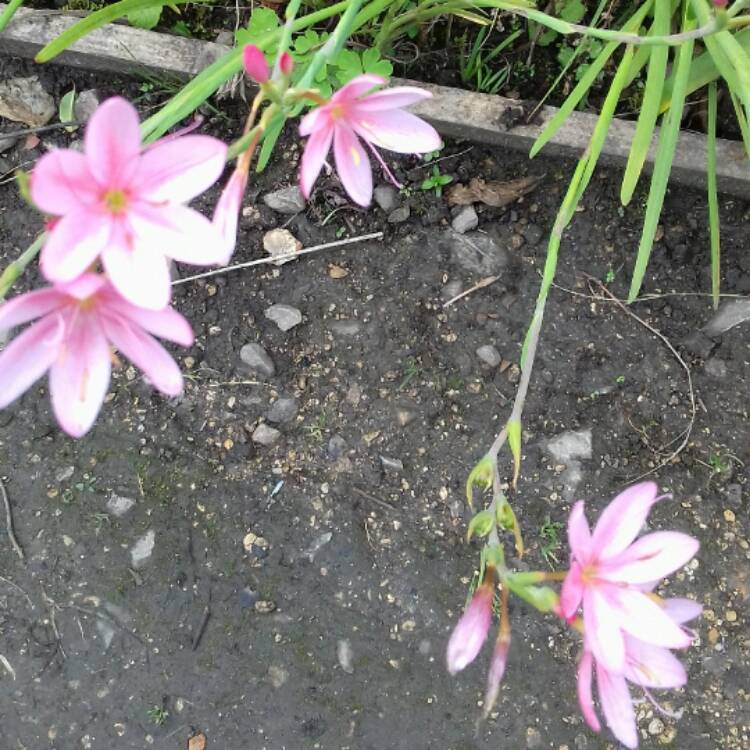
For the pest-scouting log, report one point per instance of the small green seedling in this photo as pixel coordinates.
(549, 533)
(65, 110)
(436, 181)
(158, 715)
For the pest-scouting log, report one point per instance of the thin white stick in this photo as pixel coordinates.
(9, 523)
(276, 258)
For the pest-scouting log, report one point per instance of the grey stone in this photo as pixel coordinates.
(265, 435)
(62, 475)
(106, 632)
(399, 215)
(277, 676)
(345, 327)
(533, 234)
(489, 355)
(118, 505)
(728, 316)
(345, 656)
(25, 100)
(336, 447)
(7, 142)
(282, 410)
(85, 105)
(465, 220)
(285, 316)
(142, 549)
(405, 413)
(257, 359)
(288, 200)
(570, 446)
(395, 465)
(716, 368)
(387, 197)
(478, 253)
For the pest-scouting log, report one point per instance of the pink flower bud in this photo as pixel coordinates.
(471, 630)
(497, 670)
(286, 64)
(255, 63)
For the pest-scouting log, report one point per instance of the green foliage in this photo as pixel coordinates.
(65, 109)
(436, 181)
(572, 11)
(476, 69)
(549, 534)
(481, 524)
(145, 18)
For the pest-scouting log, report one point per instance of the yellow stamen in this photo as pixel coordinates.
(116, 201)
(355, 156)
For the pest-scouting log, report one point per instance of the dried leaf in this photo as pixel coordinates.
(197, 742)
(337, 272)
(493, 193)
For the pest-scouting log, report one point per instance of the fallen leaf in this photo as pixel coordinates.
(197, 742)
(492, 193)
(337, 272)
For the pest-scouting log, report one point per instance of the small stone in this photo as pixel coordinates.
(533, 234)
(533, 738)
(277, 676)
(729, 516)
(282, 410)
(477, 253)
(62, 475)
(716, 368)
(394, 465)
(728, 316)
(386, 196)
(399, 215)
(118, 505)
(265, 607)
(85, 105)
(345, 656)
(285, 316)
(336, 447)
(142, 549)
(265, 435)
(25, 100)
(405, 414)
(7, 143)
(713, 636)
(489, 355)
(571, 446)
(465, 220)
(730, 615)
(288, 200)
(248, 598)
(257, 359)
(655, 726)
(281, 242)
(345, 327)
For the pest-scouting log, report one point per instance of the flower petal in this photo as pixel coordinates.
(28, 357)
(652, 666)
(681, 610)
(622, 519)
(61, 182)
(226, 213)
(74, 244)
(585, 697)
(617, 706)
(79, 377)
(352, 165)
(602, 632)
(166, 324)
(313, 157)
(397, 131)
(316, 118)
(399, 96)
(357, 87)
(579, 533)
(471, 630)
(29, 306)
(643, 618)
(180, 169)
(145, 353)
(113, 143)
(139, 275)
(571, 592)
(254, 62)
(651, 558)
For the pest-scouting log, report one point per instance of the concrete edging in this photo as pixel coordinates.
(454, 112)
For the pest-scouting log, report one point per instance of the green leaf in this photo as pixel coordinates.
(145, 18)
(348, 65)
(542, 597)
(573, 11)
(273, 131)
(262, 21)
(374, 64)
(481, 525)
(303, 43)
(65, 109)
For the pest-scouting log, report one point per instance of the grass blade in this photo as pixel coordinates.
(9, 12)
(713, 198)
(742, 122)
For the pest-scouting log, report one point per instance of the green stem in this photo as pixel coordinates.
(9, 12)
(13, 271)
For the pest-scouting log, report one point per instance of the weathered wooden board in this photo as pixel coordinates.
(456, 113)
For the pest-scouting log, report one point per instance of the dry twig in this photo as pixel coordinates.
(9, 522)
(479, 285)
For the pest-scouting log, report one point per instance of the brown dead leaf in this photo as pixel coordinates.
(493, 193)
(337, 272)
(197, 742)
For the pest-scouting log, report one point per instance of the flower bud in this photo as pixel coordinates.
(255, 63)
(471, 630)
(497, 670)
(286, 64)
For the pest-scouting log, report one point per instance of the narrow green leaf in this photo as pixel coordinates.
(514, 443)
(8, 12)
(670, 130)
(65, 108)
(742, 122)
(644, 128)
(713, 198)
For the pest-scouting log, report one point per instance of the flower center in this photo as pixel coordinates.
(116, 201)
(336, 112)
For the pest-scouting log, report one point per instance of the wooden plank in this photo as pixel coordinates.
(455, 113)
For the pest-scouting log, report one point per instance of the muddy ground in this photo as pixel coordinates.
(327, 628)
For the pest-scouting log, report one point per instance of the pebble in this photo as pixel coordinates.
(265, 435)
(265, 607)
(730, 615)
(142, 549)
(282, 410)
(286, 317)
(570, 446)
(281, 242)
(118, 505)
(345, 656)
(288, 200)
(387, 197)
(729, 516)
(86, 104)
(25, 100)
(655, 726)
(395, 465)
(345, 327)
(533, 234)
(478, 253)
(465, 220)
(62, 475)
(258, 360)
(248, 598)
(716, 368)
(399, 215)
(277, 676)
(728, 316)
(533, 738)
(336, 447)
(489, 355)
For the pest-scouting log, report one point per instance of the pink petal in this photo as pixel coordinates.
(579, 534)
(178, 170)
(166, 324)
(571, 592)
(602, 632)
(652, 557)
(352, 165)
(682, 610)
(79, 377)
(652, 666)
(226, 213)
(471, 630)
(622, 519)
(29, 306)
(319, 117)
(643, 618)
(357, 87)
(83, 286)
(585, 697)
(61, 182)
(313, 157)
(74, 244)
(139, 275)
(399, 96)
(145, 353)
(113, 143)
(254, 62)
(178, 232)
(617, 706)
(397, 131)
(28, 357)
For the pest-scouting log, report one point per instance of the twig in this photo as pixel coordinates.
(276, 258)
(479, 285)
(40, 129)
(205, 617)
(443, 158)
(9, 522)
(374, 499)
(19, 589)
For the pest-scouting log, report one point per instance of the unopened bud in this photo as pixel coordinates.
(497, 670)
(286, 64)
(471, 630)
(255, 63)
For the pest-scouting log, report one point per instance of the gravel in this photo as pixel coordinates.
(258, 360)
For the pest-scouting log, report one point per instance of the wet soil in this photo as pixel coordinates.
(326, 627)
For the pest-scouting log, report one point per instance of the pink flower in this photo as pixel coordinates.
(471, 630)
(646, 665)
(497, 670)
(77, 323)
(255, 63)
(609, 572)
(123, 203)
(286, 64)
(353, 113)
(227, 210)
